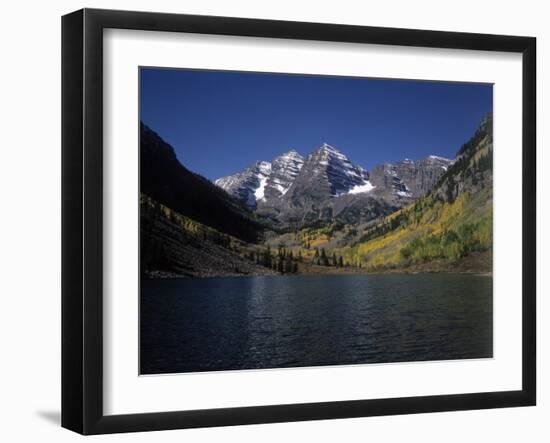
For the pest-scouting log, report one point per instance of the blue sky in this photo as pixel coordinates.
(219, 122)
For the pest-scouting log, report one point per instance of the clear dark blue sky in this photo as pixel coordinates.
(220, 122)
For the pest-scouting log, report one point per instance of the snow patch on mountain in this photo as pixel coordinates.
(247, 185)
(289, 179)
(263, 180)
(342, 174)
(264, 168)
(259, 193)
(359, 189)
(437, 157)
(284, 170)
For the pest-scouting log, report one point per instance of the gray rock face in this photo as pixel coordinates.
(284, 170)
(326, 175)
(409, 178)
(248, 185)
(264, 181)
(386, 180)
(330, 172)
(328, 186)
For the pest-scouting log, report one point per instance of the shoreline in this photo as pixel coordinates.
(164, 275)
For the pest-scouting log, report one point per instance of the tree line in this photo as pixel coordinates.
(282, 260)
(286, 261)
(323, 259)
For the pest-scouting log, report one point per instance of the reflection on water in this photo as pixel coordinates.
(190, 325)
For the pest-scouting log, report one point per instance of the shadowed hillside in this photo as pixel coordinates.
(173, 245)
(166, 180)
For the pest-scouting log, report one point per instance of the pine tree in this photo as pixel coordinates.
(288, 263)
(267, 257)
(450, 190)
(324, 259)
(280, 266)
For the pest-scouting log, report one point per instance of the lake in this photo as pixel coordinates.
(211, 324)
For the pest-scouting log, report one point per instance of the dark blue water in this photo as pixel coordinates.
(190, 325)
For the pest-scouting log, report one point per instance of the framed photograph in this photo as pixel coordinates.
(269, 221)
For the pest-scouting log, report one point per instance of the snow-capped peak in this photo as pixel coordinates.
(264, 167)
(328, 147)
(264, 180)
(285, 168)
(343, 176)
(247, 185)
(291, 154)
(437, 157)
(440, 161)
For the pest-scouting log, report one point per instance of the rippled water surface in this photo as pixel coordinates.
(189, 325)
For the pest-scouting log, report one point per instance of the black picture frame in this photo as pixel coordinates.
(82, 221)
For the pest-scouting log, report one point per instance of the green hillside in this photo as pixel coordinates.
(454, 221)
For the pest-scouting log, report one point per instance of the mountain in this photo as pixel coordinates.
(449, 228)
(284, 170)
(248, 185)
(410, 178)
(326, 185)
(327, 175)
(328, 172)
(264, 181)
(167, 181)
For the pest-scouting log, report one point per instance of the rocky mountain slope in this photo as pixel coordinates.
(264, 181)
(292, 191)
(249, 185)
(410, 178)
(284, 170)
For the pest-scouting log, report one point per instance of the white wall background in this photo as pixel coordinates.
(30, 218)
